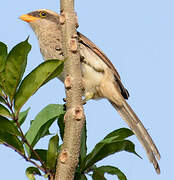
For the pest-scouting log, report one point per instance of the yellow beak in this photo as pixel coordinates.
(28, 18)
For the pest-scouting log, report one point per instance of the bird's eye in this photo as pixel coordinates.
(43, 14)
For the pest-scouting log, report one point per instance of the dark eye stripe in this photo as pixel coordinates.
(34, 13)
(45, 15)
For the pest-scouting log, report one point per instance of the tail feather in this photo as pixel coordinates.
(143, 136)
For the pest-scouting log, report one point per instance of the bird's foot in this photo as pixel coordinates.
(88, 96)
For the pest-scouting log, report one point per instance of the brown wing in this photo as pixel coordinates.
(94, 48)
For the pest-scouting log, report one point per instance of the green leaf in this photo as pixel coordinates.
(79, 176)
(4, 111)
(56, 72)
(98, 175)
(61, 125)
(1, 93)
(83, 146)
(2, 99)
(2, 81)
(3, 55)
(42, 123)
(100, 171)
(8, 127)
(31, 172)
(12, 141)
(34, 80)
(42, 154)
(105, 148)
(120, 134)
(15, 67)
(22, 116)
(52, 152)
(43, 131)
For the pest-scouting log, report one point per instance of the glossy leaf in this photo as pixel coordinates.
(1, 94)
(120, 134)
(61, 125)
(22, 116)
(56, 72)
(15, 67)
(4, 111)
(52, 152)
(2, 81)
(98, 175)
(8, 127)
(83, 146)
(100, 171)
(42, 123)
(43, 131)
(34, 80)
(11, 140)
(42, 154)
(2, 100)
(3, 55)
(109, 145)
(106, 148)
(79, 176)
(31, 172)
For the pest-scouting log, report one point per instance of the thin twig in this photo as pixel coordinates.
(25, 157)
(15, 119)
(27, 143)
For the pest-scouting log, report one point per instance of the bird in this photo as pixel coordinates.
(99, 76)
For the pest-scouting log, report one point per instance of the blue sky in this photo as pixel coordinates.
(138, 37)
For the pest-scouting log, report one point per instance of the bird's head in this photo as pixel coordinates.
(41, 20)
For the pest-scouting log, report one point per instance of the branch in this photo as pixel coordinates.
(15, 119)
(31, 148)
(74, 117)
(25, 157)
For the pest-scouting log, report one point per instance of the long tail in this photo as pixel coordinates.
(143, 136)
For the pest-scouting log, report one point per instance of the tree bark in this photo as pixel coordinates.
(74, 118)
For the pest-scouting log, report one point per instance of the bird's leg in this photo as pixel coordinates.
(88, 96)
